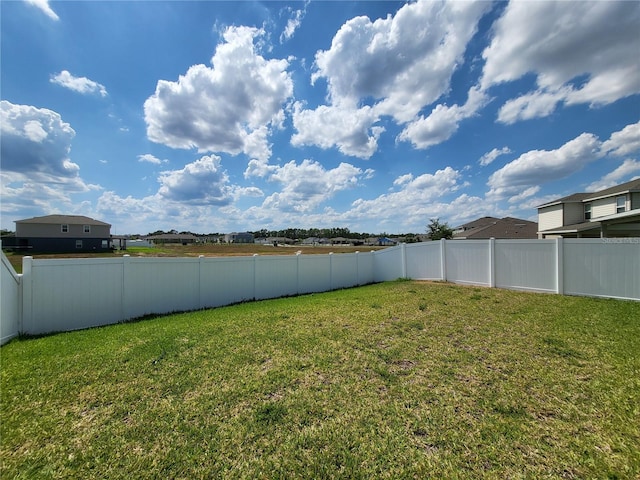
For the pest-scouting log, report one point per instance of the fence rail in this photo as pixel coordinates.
(69, 294)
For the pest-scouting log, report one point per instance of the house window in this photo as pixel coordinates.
(86, 228)
(78, 243)
(587, 211)
(64, 228)
(621, 204)
(105, 243)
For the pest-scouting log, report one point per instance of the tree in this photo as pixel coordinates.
(437, 230)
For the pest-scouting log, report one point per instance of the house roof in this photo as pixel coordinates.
(573, 198)
(632, 186)
(508, 227)
(64, 219)
(480, 222)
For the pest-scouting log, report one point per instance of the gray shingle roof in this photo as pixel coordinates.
(66, 219)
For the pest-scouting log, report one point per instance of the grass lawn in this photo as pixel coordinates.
(396, 380)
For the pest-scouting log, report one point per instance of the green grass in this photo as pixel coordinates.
(396, 380)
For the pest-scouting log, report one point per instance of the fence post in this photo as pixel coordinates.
(357, 267)
(330, 271)
(255, 272)
(559, 266)
(126, 308)
(403, 255)
(27, 295)
(492, 262)
(443, 259)
(298, 253)
(200, 283)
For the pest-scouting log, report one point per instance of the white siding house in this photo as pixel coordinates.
(613, 212)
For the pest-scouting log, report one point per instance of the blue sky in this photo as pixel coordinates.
(373, 116)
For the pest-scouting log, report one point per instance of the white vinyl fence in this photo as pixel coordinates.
(68, 294)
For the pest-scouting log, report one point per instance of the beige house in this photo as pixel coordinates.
(62, 233)
(613, 212)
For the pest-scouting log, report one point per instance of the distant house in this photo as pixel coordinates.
(239, 237)
(61, 234)
(179, 238)
(491, 227)
(612, 212)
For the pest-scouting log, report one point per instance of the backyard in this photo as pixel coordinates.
(401, 379)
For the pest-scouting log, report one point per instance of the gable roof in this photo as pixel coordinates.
(480, 222)
(632, 186)
(508, 227)
(64, 219)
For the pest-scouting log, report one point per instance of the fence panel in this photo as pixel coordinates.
(161, 286)
(387, 264)
(344, 270)
(365, 267)
(467, 261)
(276, 276)
(10, 301)
(424, 261)
(608, 267)
(314, 274)
(526, 264)
(224, 281)
(72, 294)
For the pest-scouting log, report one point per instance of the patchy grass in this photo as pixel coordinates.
(395, 380)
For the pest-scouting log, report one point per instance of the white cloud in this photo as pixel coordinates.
(294, 22)
(147, 157)
(227, 108)
(350, 129)
(78, 84)
(406, 60)
(540, 166)
(35, 141)
(307, 185)
(442, 123)
(579, 52)
(395, 66)
(623, 142)
(416, 199)
(619, 175)
(44, 6)
(201, 182)
(489, 157)
(37, 174)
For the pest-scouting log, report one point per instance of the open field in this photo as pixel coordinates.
(396, 380)
(208, 250)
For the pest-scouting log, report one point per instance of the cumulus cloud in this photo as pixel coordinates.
(416, 198)
(36, 141)
(619, 175)
(624, 142)
(540, 166)
(228, 107)
(350, 129)
(578, 51)
(489, 157)
(44, 6)
(37, 174)
(442, 123)
(78, 84)
(201, 182)
(396, 66)
(308, 184)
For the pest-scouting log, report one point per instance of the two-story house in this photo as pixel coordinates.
(62, 233)
(613, 212)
